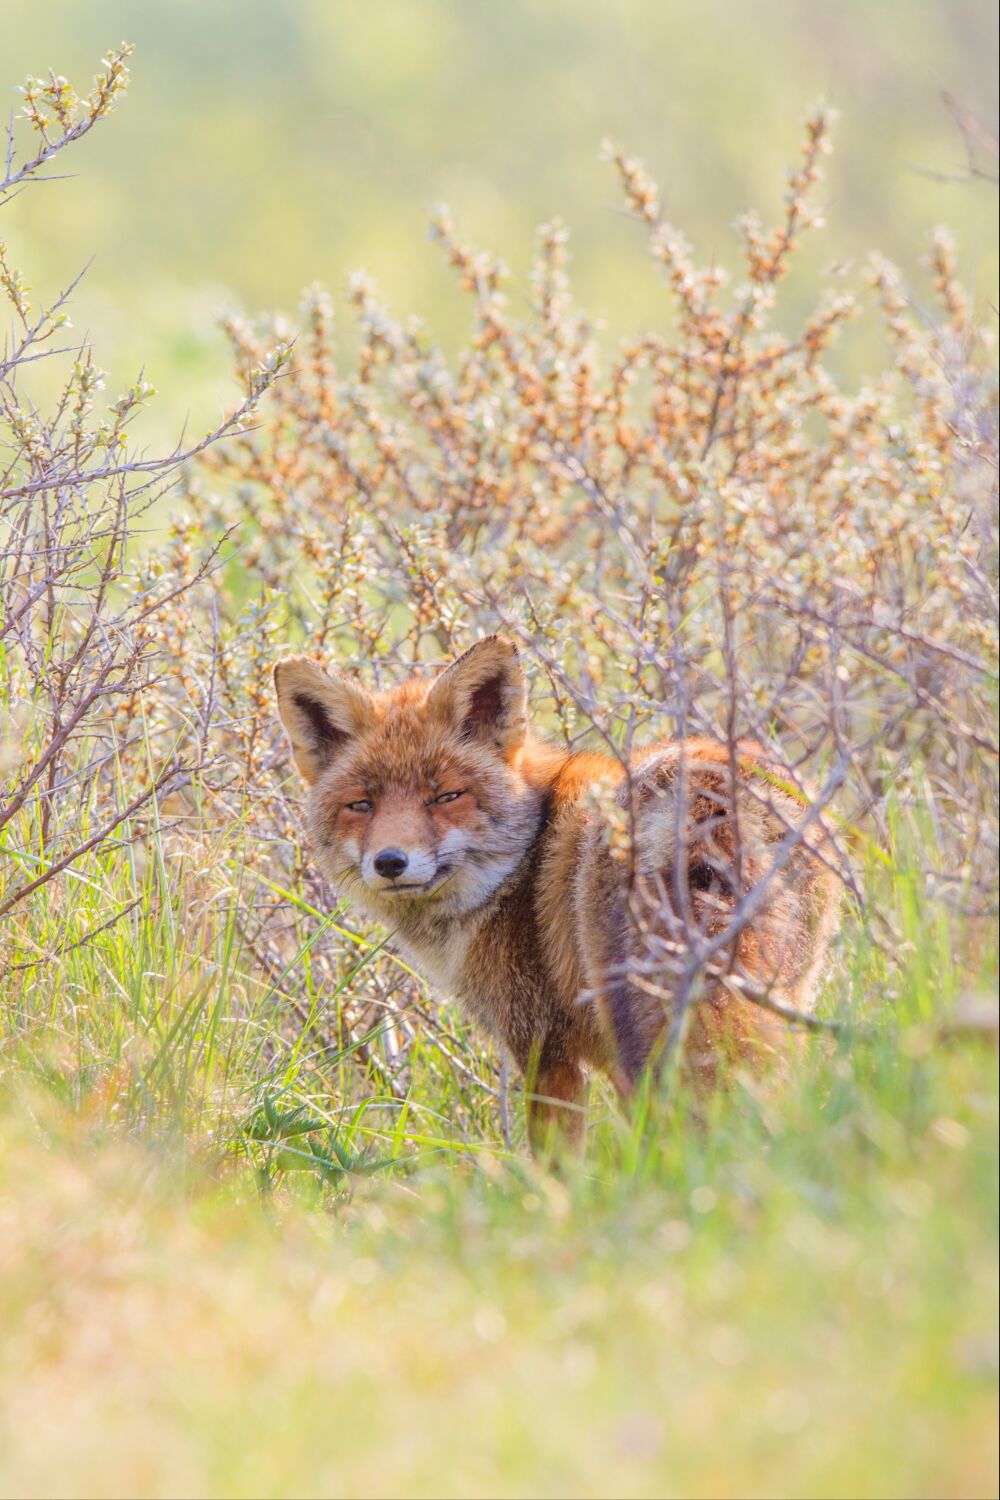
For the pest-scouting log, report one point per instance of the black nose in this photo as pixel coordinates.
(390, 863)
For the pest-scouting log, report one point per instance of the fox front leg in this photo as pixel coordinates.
(557, 1107)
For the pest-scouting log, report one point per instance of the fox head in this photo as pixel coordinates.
(416, 799)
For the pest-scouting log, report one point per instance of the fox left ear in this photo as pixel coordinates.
(484, 695)
(322, 713)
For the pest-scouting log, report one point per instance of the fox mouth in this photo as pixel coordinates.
(418, 887)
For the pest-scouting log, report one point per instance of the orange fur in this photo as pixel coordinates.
(479, 848)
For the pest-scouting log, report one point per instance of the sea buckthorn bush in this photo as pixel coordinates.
(703, 531)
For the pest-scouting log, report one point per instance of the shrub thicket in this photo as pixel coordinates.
(702, 532)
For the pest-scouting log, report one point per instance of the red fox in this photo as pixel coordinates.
(434, 806)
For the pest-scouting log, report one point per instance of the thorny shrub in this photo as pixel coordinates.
(704, 533)
(82, 767)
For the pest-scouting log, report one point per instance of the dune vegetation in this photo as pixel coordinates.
(269, 1223)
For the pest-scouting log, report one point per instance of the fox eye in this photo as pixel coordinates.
(361, 806)
(446, 797)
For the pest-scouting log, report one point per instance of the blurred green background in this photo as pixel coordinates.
(269, 143)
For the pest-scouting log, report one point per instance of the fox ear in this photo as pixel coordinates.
(484, 695)
(321, 713)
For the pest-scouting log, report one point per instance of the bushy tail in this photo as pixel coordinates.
(723, 893)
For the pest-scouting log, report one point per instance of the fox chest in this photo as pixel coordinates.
(493, 971)
(441, 959)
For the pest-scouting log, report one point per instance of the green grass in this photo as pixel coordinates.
(216, 1278)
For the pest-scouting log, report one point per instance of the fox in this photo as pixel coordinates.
(489, 854)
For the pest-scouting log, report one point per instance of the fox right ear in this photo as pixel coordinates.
(321, 712)
(484, 695)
